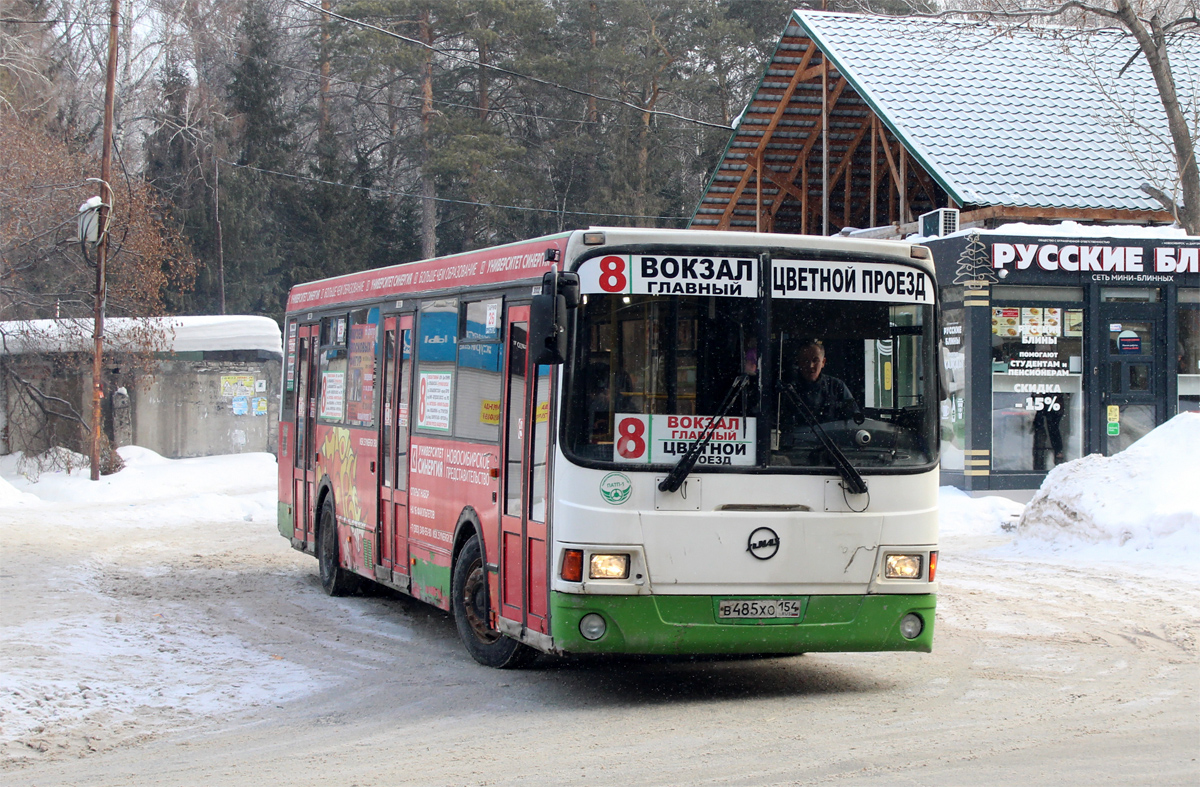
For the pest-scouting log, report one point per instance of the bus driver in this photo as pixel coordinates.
(828, 397)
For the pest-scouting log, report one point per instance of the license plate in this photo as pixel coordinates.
(758, 608)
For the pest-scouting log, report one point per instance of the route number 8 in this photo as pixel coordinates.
(631, 443)
(612, 274)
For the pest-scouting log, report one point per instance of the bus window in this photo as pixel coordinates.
(642, 358)
(438, 334)
(332, 404)
(303, 394)
(648, 355)
(389, 420)
(289, 384)
(402, 409)
(518, 337)
(480, 361)
(541, 445)
(360, 373)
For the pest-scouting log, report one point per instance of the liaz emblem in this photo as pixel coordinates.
(615, 488)
(763, 543)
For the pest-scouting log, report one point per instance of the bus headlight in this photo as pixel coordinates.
(911, 626)
(902, 567)
(592, 626)
(608, 567)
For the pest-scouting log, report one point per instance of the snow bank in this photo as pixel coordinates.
(961, 515)
(11, 496)
(1147, 497)
(154, 491)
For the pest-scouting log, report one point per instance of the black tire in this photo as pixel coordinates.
(335, 580)
(469, 601)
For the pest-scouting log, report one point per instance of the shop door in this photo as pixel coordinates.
(393, 450)
(303, 474)
(1131, 374)
(523, 558)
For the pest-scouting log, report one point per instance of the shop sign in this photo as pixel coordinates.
(1109, 263)
(1114, 413)
(1129, 343)
(1114, 429)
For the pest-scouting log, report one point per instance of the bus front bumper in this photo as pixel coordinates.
(686, 625)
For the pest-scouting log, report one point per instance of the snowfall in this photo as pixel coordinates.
(1135, 513)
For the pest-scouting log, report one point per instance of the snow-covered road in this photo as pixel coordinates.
(157, 630)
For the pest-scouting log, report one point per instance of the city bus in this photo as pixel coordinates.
(612, 441)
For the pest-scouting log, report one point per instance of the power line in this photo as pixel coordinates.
(389, 192)
(501, 110)
(509, 72)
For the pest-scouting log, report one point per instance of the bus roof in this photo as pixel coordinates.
(526, 260)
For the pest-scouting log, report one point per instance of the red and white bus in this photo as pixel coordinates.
(613, 441)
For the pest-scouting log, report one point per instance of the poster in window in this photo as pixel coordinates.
(333, 395)
(433, 401)
(361, 383)
(1073, 322)
(1052, 321)
(1006, 322)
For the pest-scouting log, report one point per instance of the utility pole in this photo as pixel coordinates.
(110, 89)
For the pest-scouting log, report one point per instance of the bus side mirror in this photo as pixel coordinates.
(565, 284)
(548, 328)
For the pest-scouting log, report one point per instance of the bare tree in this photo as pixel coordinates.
(1155, 27)
(46, 279)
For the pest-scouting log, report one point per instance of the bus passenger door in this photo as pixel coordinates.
(303, 474)
(523, 558)
(393, 450)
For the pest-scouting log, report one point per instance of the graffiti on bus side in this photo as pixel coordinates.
(342, 463)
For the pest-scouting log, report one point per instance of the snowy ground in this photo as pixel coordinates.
(159, 606)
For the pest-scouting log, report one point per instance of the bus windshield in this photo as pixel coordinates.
(650, 371)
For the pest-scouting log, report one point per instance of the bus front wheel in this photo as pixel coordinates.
(469, 597)
(335, 580)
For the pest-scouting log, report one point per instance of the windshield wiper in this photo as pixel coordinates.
(674, 479)
(850, 477)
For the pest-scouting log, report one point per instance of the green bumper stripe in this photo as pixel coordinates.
(689, 625)
(284, 520)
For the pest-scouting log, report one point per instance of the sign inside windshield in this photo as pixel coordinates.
(663, 439)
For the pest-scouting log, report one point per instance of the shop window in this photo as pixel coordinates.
(1011, 292)
(1130, 338)
(1187, 349)
(1130, 294)
(1037, 383)
(480, 365)
(332, 369)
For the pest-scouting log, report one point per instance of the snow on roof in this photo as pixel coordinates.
(1142, 498)
(183, 334)
(1071, 229)
(1010, 115)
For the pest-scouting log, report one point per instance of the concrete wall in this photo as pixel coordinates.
(190, 404)
(208, 407)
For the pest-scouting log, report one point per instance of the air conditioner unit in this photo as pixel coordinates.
(940, 222)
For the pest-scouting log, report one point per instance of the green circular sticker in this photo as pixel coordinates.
(615, 488)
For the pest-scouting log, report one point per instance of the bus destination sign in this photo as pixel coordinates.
(673, 273)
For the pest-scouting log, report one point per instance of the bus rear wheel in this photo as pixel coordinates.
(335, 580)
(469, 601)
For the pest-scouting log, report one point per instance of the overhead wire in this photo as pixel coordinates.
(393, 193)
(508, 72)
